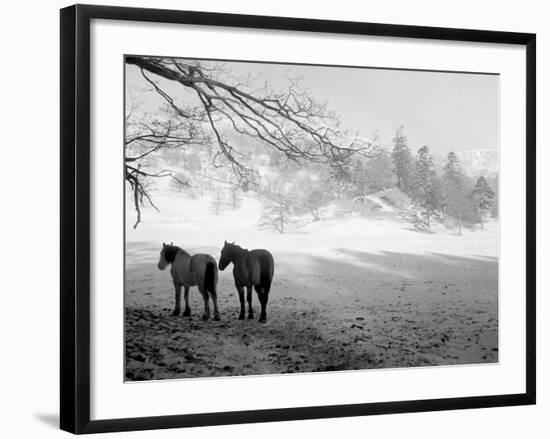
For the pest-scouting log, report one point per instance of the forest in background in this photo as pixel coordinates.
(289, 152)
(436, 189)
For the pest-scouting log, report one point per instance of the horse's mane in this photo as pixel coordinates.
(170, 252)
(235, 251)
(237, 247)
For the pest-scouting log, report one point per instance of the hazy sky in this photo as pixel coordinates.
(446, 111)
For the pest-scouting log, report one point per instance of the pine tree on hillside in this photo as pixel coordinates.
(379, 172)
(454, 190)
(426, 188)
(402, 161)
(484, 197)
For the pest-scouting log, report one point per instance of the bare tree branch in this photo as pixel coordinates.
(290, 121)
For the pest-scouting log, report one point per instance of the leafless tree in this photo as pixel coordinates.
(146, 135)
(288, 121)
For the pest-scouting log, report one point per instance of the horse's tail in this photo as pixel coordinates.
(210, 277)
(266, 271)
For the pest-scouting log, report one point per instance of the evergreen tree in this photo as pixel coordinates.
(402, 161)
(379, 172)
(484, 197)
(493, 184)
(454, 190)
(426, 186)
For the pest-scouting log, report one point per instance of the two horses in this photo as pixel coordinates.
(251, 268)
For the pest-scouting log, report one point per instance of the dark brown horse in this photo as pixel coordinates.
(251, 268)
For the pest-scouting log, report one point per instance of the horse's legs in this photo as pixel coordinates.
(263, 295)
(249, 300)
(215, 301)
(206, 314)
(187, 310)
(177, 307)
(240, 289)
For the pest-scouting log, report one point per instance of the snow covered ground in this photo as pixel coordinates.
(352, 291)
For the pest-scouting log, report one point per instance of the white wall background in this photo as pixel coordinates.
(29, 248)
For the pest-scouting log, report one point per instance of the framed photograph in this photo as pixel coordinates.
(284, 218)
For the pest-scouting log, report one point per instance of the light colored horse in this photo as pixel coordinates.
(251, 268)
(188, 271)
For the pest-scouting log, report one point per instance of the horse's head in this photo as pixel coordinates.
(163, 260)
(227, 255)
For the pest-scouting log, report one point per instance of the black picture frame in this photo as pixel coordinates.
(75, 217)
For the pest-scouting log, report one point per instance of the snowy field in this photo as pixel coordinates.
(351, 291)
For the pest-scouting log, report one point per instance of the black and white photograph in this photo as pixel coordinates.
(287, 218)
(265, 219)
